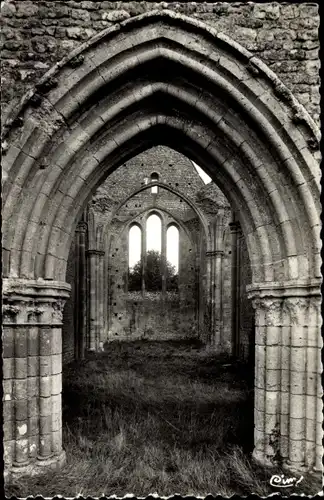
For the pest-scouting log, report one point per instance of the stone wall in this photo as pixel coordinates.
(132, 315)
(36, 35)
(112, 209)
(152, 317)
(175, 171)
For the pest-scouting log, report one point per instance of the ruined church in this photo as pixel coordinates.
(199, 122)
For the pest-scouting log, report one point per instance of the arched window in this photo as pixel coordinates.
(172, 255)
(153, 262)
(149, 271)
(154, 178)
(153, 233)
(134, 258)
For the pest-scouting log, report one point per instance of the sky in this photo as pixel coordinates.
(153, 235)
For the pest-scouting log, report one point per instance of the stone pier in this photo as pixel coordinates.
(32, 374)
(288, 390)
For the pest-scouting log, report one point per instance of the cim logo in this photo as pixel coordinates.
(285, 482)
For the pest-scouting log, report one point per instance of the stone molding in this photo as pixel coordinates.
(285, 289)
(27, 302)
(213, 253)
(34, 288)
(82, 227)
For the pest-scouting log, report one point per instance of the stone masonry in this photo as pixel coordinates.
(38, 34)
(86, 89)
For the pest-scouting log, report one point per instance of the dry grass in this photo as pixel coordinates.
(163, 417)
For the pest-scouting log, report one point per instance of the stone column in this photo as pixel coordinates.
(163, 259)
(32, 381)
(214, 268)
(208, 313)
(101, 298)
(143, 256)
(215, 257)
(80, 290)
(95, 289)
(236, 286)
(288, 392)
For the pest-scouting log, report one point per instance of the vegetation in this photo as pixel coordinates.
(164, 417)
(152, 274)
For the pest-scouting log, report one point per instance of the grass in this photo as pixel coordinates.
(156, 417)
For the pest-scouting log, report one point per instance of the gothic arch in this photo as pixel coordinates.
(62, 188)
(228, 113)
(172, 190)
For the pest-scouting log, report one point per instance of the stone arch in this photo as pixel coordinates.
(230, 114)
(172, 190)
(150, 209)
(225, 73)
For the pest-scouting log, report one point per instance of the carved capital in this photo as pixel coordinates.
(268, 304)
(33, 313)
(297, 308)
(58, 307)
(235, 228)
(82, 227)
(95, 252)
(214, 253)
(10, 313)
(267, 310)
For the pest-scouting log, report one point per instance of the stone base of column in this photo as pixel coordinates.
(298, 468)
(259, 457)
(38, 466)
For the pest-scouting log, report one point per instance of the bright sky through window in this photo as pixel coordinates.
(153, 230)
(153, 233)
(135, 245)
(205, 177)
(172, 250)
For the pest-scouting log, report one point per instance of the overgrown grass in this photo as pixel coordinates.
(165, 417)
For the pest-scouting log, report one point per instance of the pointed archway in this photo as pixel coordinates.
(109, 100)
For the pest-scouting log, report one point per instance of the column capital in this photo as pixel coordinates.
(28, 301)
(95, 252)
(269, 304)
(82, 227)
(213, 253)
(235, 227)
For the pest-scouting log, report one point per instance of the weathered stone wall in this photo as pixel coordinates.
(152, 317)
(175, 171)
(112, 209)
(36, 35)
(130, 315)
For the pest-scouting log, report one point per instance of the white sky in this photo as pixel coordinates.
(205, 177)
(153, 235)
(172, 253)
(134, 242)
